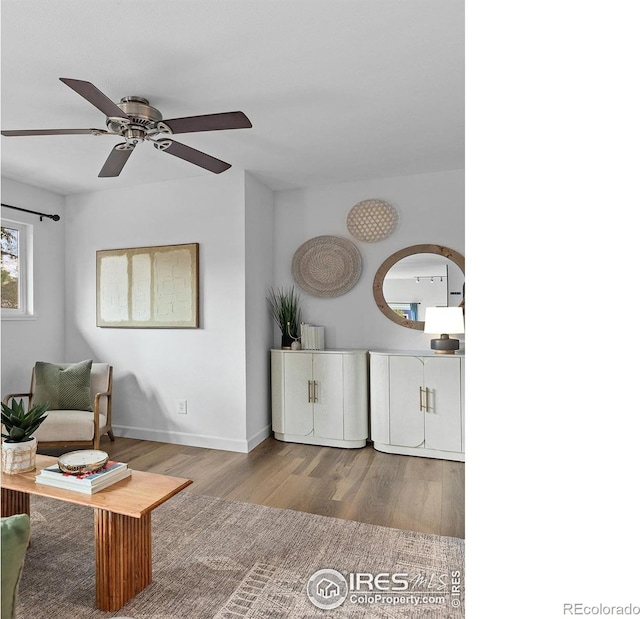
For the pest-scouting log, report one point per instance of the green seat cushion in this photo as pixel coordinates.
(15, 539)
(66, 388)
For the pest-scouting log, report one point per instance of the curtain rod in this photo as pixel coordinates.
(26, 210)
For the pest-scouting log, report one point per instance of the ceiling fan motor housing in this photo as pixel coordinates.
(142, 119)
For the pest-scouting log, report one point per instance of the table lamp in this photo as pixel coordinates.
(444, 320)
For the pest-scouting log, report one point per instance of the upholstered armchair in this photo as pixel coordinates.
(79, 398)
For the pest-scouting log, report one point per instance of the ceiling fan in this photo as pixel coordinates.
(136, 121)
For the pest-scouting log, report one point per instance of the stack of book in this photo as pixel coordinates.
(88, 483)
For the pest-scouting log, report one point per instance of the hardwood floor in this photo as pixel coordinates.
(405, 492)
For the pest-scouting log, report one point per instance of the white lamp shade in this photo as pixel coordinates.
(443, 320)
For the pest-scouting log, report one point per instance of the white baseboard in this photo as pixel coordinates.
(258, 437)
(193, 440)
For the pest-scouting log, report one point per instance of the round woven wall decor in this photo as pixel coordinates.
(326, 266)
(372, 220)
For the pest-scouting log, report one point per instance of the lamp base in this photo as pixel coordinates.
(445, 345)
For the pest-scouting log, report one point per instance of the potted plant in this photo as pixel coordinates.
(19, 445)
(284, 304)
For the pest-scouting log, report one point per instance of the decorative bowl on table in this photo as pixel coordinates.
(83, 461)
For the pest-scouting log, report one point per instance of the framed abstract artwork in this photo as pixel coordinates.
(148, 287)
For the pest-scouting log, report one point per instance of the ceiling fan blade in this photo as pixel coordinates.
(192, 155)
(19, 132)
(209, 122)
(116, 160)
(95, 97)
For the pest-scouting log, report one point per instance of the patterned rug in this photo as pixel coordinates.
(215, 559)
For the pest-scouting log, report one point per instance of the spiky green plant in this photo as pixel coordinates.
(20, 425)
(284, 304)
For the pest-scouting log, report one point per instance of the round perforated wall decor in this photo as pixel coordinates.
(372, 220)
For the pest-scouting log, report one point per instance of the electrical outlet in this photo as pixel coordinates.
(181, 407)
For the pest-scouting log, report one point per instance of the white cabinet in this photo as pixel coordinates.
(320, 397)
(417, 404)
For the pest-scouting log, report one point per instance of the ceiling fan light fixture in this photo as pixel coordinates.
(134, 133)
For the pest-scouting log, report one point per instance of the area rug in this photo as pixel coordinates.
(219, 559)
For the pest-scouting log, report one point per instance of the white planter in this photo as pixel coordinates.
(19, 457)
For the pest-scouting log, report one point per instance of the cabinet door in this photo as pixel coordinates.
(328, 408)
(355, 401)
(406, 420)
(443, 418)
(379, 386)
(298, 408)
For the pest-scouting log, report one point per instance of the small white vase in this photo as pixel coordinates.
(19, 457)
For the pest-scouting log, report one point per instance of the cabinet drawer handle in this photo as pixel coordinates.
(315, 391)
(424, 407)
(421, 405)
(309, 391)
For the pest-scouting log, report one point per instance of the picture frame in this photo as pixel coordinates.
(151, 287)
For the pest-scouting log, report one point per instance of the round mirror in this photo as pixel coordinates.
(417, 277)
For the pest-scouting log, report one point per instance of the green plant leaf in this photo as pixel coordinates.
(284, 305)
(16, 434)
(20, 425)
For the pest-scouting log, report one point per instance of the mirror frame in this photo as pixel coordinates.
(378, 280)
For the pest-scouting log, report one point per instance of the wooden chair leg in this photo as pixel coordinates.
(110, 435)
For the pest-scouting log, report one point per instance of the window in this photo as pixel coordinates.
(17, 287)
(405, 310)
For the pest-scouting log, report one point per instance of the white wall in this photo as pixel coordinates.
(155, 367)
(431, 210)
(247, 237)
(41, 339)
(259, 238)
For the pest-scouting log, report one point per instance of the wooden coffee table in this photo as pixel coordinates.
(122, 524)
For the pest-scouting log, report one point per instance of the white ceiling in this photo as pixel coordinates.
(337, 90)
